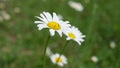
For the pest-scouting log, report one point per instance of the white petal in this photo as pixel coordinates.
(55, 18)
(81, 40)
(83, 36)
(60, 33)
(48, 51)
(65, 62)
(60, 64)
(52, 32)
(47, 15)
(43, 16)
(68, 38)
(67, 22)
(38, 22)
(53, 59)
(78, 42)
(42, 19)
(63, 57)
(41, 26)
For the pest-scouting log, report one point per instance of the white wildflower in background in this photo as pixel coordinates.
(5, 15)
(58, 59)
(17, 10)
(48, 51)
(51, 22)
(112, 44)
(74, 34)
(76, 5)
(94, 59)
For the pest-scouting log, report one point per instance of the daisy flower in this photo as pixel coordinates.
(58, 59)
(74, 34)
(112, 44)
(52, 22)
(76, 5)
(48, 51)
(94, 59)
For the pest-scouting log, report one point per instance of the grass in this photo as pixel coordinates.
(21, 44)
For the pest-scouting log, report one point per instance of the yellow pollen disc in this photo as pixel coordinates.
(58, 59)
(54, 25)
(71, 35)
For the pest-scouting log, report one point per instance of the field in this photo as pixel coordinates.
(22, 44)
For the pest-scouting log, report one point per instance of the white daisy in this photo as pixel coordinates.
(94, 59)
(58, 59)
(51, 22)
(74, 34)
(48, 51)
(112, 44)
(76, 5)
(5, 15)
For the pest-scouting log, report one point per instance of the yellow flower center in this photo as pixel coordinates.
(58, 59)
(54, 25)
(71, 35)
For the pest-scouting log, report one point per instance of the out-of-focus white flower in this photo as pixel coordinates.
(5, 15)
(52, 22)
(74, 34)
(94, 59)
(48, 51)
(58, 59)
(76, 5)
(112, 44)
(17, 10)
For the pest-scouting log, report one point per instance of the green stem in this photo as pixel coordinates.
(90, 31)
(65, 45)
(45, 51)
(92, 21)
(91, 25)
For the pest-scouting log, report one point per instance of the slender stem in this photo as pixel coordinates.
(45, 51)
(91, 26)
(65, 45)
(92, 21)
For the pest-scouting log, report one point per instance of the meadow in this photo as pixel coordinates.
(22, 44)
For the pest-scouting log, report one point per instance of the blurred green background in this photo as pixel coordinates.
(22, 45)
